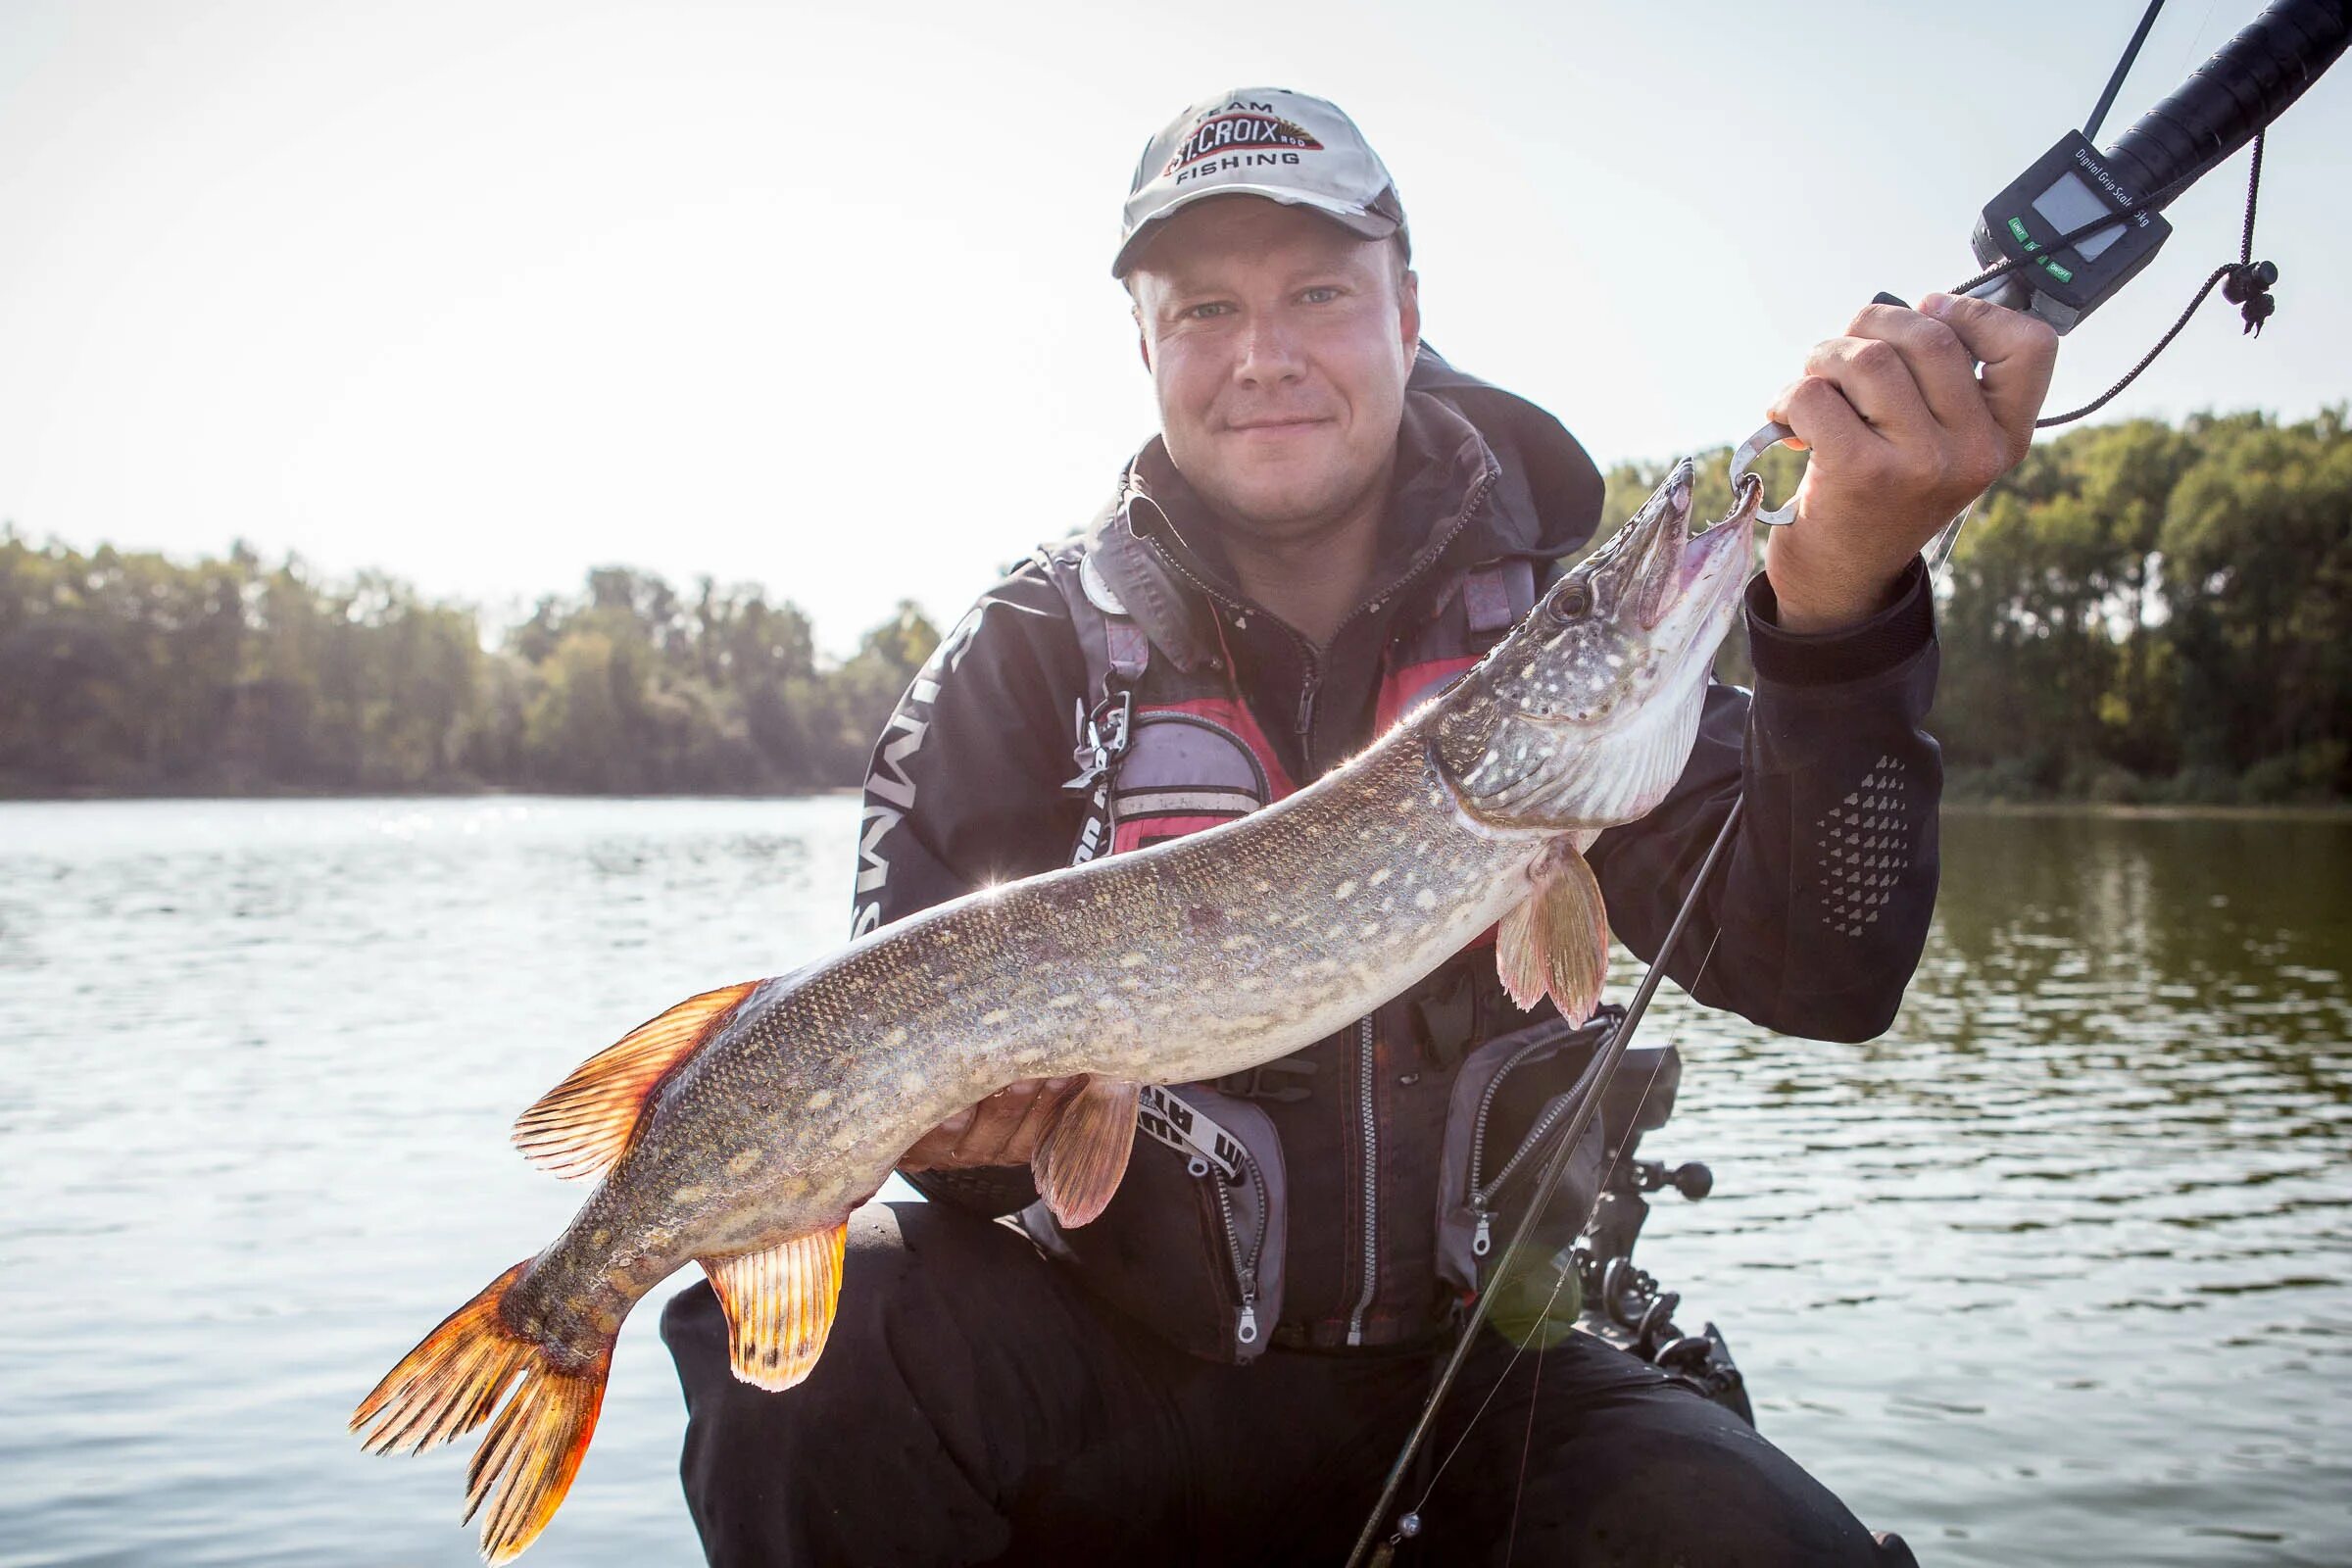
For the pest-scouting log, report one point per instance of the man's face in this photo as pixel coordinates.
(1279, 345)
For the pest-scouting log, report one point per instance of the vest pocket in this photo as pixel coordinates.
(1512, 1094)
(1206, 1186)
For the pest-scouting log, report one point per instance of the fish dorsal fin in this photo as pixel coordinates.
(779, 1306)
(1557, 942)
(1080, 1161)
(580, 1127)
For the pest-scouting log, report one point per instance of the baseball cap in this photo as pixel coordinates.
(1260, 141)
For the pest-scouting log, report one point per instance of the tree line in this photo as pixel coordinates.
(2141, 612)
(124, 672)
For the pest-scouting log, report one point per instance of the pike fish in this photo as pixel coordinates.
(739, 1129)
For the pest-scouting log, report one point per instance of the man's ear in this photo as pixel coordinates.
(1408, 313)
(1143, 339)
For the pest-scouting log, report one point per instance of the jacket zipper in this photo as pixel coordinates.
(1308, 686)
(1245, 1269)
(1371, 1146)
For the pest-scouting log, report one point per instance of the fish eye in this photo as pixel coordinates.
(1568, 601)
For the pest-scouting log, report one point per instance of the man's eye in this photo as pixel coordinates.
(1320, 294)
(1206, 309)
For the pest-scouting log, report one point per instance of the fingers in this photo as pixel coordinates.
(1940, 368)
(2019, 352)
(1822, 419)
(1005, 1129)
(1875, 381)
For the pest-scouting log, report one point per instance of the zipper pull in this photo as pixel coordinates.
(1247, 1331)
(1481, 1240)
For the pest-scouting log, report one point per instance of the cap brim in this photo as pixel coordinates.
(1355, 219)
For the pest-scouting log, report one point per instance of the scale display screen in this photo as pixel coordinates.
(2067, 205)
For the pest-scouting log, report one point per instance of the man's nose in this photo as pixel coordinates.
(1269, 351)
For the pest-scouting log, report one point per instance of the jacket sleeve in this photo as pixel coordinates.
(965, 789)
(1817, 918)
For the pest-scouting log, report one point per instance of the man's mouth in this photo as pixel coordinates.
(1293, 426)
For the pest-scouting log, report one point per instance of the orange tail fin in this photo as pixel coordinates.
(450, 1383)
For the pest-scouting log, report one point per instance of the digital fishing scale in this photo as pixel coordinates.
(2057, 243)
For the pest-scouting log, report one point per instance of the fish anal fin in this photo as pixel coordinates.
(581, 1126)
(1082, 1157)
(1557, 942)
(779, 1304)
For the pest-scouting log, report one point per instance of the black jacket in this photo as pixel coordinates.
(1812, 927)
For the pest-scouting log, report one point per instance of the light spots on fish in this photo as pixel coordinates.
(847, 1137)
(995, 1016)
(1068, 999)
(1370, 928)
(1163, 1010)
(1027, 1055)
(1105, 1003)
(1130, 960)
(913, 1083)
(950, 981)
(1238, 940)
(1128, 982)
(598, 1237)
(895, 1039)
(1377, 877)
(820, 1100)
(1261, 885)
(742, 1163)
(1426, 899)
(692, 1193)
(1345, 891)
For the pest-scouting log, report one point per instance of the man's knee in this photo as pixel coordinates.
(878, 1285)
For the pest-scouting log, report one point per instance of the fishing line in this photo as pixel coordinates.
(1535, 1394)
(1612, 1052)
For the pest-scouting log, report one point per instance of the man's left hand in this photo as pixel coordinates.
(1904, 432)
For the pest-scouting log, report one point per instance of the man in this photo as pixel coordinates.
(1331, 523)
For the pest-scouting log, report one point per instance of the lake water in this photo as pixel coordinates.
(2057, 1272)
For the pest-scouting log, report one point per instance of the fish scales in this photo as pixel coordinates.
(741, 1128)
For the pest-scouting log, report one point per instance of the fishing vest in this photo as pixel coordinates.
(1165, 745)
(1169, 746)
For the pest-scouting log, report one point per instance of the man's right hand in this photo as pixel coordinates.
(1005, 1129)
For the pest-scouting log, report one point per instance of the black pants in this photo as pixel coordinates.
(973, 1406)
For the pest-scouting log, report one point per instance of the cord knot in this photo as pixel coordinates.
(2247, 287)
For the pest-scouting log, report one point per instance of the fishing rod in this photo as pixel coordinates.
(2057, 243)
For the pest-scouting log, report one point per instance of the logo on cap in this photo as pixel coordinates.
(1222, 132)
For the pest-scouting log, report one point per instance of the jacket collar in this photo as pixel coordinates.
(1481, 475)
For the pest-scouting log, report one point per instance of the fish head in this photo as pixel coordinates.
(1585, 713)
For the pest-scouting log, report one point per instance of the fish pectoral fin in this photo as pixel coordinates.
(1557, 942)
(779, 1304)
(1079, 1163)
(581, 1126)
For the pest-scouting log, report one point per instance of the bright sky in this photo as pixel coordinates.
(486, 293)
